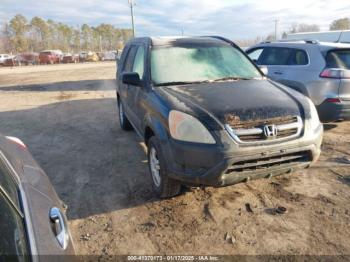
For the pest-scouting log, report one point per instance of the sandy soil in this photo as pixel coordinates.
(66, 115)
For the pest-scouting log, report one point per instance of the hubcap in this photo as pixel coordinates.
(121, 113)
(155, 167)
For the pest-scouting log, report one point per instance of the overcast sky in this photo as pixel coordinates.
(236, 19)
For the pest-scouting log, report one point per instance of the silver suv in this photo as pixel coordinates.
(318, 70)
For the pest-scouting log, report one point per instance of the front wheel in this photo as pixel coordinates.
(123, 120)
(163, 185)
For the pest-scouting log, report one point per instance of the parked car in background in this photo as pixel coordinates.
(49, 57)
(70, 58)
(29, 58)
(319, 70)
(91, 57)
(32, 217)
(82, 56)
(209, 116)
(109, 56)
(3, 57)
(12, 61)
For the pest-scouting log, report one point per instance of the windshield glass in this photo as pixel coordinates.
(171, 64)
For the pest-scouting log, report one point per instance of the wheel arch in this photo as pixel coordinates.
(154, 127)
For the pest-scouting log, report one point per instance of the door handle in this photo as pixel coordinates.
(60, 227)
(278, 73)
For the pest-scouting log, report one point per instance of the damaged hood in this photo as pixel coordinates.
(243, 100)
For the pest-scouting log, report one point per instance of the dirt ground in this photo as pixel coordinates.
(66, 115)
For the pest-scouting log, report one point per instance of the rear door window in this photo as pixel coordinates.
(275, 56)
(298, 57)
(283, 56)
(339, 58)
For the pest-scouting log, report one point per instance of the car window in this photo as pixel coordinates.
(298, 57)
(13, 239)
(275, 56)
(338, 59)
(8, 184)
(129, 59)
(255, 54)
(283, 56)
(138, 65)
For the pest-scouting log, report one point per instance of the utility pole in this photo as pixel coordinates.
(276, 24)
(182, 31)
(100, 43)
(131, 3)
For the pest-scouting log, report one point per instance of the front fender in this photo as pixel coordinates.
(159, 128)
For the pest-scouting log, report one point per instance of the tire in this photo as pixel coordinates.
(163, 185)
(123, 120)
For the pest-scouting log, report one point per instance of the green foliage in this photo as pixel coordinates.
(340, 24)
(38, 34)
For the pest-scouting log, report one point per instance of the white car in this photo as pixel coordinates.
(3, 57)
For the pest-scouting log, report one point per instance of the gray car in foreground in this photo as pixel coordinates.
(318, 70)
(32, 218)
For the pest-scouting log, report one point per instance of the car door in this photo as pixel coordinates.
(134, 92)
(126, 64)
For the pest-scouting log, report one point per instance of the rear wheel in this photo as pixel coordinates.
(123, 120)
(163, 185)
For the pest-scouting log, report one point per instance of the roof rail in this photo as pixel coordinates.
(307, 41)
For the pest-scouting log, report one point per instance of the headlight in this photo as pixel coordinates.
(187, 128)
(314, 120)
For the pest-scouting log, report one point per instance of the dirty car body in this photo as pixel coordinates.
(219, 123)
(32, 219)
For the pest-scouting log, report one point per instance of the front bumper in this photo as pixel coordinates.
(333, 111)
(214, 165)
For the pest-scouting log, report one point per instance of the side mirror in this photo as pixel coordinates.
(264, 70)
(131, 79)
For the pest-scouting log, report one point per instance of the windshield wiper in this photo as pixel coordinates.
(234, 78)
(174, 83)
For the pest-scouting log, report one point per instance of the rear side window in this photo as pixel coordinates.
(338, 59)
(283, 56)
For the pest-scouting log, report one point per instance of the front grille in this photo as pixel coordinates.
(253, 165)
(261, 122)
(253, 131)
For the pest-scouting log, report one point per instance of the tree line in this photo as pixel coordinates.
(21, 35)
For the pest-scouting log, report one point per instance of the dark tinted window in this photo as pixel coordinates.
(8, 184)
(299, 57)
(13, 238)
(129, 59)
(283, 56)
(338, 59)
